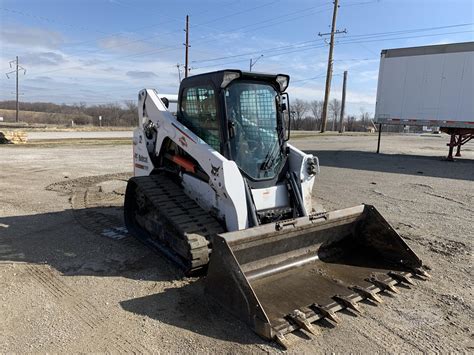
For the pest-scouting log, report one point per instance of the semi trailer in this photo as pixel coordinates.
(428, 86)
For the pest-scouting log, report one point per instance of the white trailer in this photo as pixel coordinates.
(428, 86)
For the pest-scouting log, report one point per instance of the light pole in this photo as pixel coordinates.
(253, 61)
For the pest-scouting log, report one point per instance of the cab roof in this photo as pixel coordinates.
(217, 77)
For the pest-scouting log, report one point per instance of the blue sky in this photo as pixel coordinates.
(107, 50)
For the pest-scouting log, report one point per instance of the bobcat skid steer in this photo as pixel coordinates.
(219, 189)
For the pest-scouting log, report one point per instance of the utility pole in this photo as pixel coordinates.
(330, 62)
(186, 58)
(343, 104)
(252, 61)
(17, 68)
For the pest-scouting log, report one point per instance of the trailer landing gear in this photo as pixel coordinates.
(459, 137)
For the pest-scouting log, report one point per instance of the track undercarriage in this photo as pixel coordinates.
(159, 213)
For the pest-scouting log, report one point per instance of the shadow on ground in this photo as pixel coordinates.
(57, 239)
(188, 307)
(462, 169)
(60, 241)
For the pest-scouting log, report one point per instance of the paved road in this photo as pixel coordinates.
(76, 135)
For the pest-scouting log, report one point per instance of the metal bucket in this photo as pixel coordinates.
(284, 276)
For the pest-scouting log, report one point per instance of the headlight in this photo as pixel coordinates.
(283, 81)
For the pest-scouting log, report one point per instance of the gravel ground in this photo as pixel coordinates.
(65, 286)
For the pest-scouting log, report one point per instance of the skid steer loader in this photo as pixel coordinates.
(218, 188)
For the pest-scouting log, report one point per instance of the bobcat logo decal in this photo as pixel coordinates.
(215, 170)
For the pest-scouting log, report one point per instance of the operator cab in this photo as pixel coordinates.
(242, 116)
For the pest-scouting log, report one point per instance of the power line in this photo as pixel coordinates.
(314, 77)
(161, 34)
(164, 49)
(47, 19)
(200, 41)
(276, 19)
(407, 37)
(252, 53)
(377, 34)
(298, 49)
(175, 48)
(240, 12)
(84, 28)
(148, 38)
(360, 3)
(266, 56)
(315, 45)
(144, 39)
(278, 22)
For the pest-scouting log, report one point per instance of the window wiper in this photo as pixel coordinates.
(270, 157)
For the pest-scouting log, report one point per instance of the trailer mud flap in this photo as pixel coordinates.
(284, 276)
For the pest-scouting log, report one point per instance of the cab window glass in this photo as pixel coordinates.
(199, 114)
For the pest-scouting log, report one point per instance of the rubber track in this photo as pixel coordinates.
(188, 229)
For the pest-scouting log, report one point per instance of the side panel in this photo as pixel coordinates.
(142, 165)
(300, 164)
(426, 89)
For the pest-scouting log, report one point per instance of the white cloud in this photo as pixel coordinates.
(30, 37)
(137, 74)
(124, 45)
(43, 58)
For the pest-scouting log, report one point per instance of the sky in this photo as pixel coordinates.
(105, 51)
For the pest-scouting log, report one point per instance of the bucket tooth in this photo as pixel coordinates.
(383, 285)
(347, 302)
(421, 272)
(281, 340)
(371, 295)
(327, 313)
(401, 277)
(299, 318)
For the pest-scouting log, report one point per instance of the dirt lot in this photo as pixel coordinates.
(72, 280)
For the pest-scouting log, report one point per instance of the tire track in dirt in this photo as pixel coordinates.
(385, 338)
(89, 316)
(91, 206)
(423, 331)
(69, 186)
(85, 198)
(88, 217)
(86, 211)
(423, 338)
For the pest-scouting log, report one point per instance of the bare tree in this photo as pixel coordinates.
(299, 108)
(131, 105)
(335, 109)
(364, 118)
(316, 107)
(351, 123)
(131, 113)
